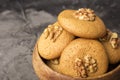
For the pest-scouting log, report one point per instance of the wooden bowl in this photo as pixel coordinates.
(46, 73)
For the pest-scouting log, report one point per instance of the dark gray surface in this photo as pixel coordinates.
(17, 39)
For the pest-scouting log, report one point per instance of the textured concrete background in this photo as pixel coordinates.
(19, 31)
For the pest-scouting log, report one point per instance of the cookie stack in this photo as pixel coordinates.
(79, 44)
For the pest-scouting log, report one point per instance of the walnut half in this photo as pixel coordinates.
(114, 40)
(80, 68)
(85, 14)
(90, 64)
(85, 66)
(52, 32)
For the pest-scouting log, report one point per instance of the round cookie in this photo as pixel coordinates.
(83, 58)
(113, 54)
(82, 25)
(53, 40)
(111, 42)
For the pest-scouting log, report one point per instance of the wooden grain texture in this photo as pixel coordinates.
(46, 73)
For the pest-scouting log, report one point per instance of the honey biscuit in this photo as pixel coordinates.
(53, 40)
(112, 47)
(84, 58)
(82, 23)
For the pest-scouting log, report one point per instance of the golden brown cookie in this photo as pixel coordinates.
(112, 46)
(54, 64)
(83, 23)
(84, 58)
(53, 40)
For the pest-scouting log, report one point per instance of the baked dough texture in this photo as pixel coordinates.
(80, 48)
(81, 28)
(113, 54)
(50, 49)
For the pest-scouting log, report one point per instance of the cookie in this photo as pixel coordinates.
(53, 40)
(84, 58)
(54, 64)
(111, 43)
(82, 23)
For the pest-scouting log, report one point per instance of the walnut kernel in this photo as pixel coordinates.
(52, 32)
(90, 64)
(85, 14)
(80, 69)
(107, 36)
(85, 66)
(114, 40)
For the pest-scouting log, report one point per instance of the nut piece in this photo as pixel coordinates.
(46, 33)
(107, 36)
(58, 31)
(90, 64)
(85, 66)
(52, 32)
(80, 68)
(85, 14)
(114, 40)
